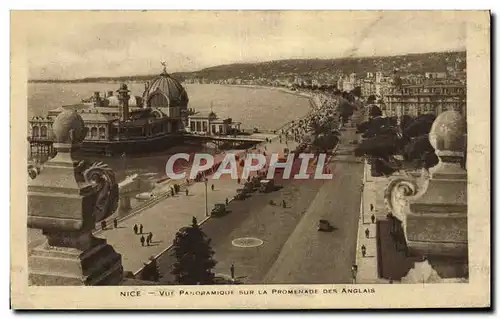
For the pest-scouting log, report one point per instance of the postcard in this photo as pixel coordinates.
(250, 159)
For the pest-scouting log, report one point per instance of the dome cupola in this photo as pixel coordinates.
(165, 91)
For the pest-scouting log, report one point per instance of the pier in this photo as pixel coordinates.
(41, 146)
(44, 146)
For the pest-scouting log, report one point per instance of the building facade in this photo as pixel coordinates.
(123, 123)
(210, 124)
(414, 100)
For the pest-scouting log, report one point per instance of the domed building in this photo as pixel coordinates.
(165, 91)
(165, 96)
(121, 122)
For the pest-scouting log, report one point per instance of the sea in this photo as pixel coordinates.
(254, 107)
(263, 108)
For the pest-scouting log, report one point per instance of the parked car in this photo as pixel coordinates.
(266, 185)
(219, 210)
(241, 194)
(145, 196)
(324, 225)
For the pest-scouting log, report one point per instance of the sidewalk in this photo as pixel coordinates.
(164, 219)
(373, 194)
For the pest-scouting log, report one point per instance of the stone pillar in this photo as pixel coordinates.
(65, 201)
(125, 202)
(123, 97)
(434, 211)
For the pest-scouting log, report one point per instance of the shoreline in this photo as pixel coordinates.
(313, 105)
(274, 88)
(310, 96)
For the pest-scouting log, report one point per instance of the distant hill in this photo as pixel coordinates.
(411, 63)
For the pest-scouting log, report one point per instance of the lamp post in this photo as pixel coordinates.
(206, 197)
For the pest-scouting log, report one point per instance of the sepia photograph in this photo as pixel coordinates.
(200, 155)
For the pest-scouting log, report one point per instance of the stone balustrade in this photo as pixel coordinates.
(65, 200)
(432, 209)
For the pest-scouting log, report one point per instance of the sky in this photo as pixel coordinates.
(68, 45)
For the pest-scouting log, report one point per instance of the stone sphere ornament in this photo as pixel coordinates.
(69, 128)
(448, 134)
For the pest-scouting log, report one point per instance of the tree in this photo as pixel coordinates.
(378, 126)
(326, 141)
(346, 110)
(151, 271)
(194, 256)
(419, 126)
(420, 151)
(381, 146)
(371, 99)
(356, 91)
(374, 111)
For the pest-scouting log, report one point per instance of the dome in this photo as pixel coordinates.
(66, 122)
(448, 135)
(168, 92)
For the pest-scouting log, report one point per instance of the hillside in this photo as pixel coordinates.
(412, 63)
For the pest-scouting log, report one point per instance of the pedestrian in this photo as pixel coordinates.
(232, 271)
(371, 207)
(363, 250)
(213, 187)
(150, 236)
(103, 225)
(135, 229)
(142, 240)
(115, 223)
(140, 228)
(227, 201)
(283, 203)
(367, 233)
(187, 192)
(373, 219)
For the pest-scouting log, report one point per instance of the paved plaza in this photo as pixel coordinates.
(165, 218)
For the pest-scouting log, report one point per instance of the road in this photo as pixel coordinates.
(310, 256)
(254, 217)
(293, 251)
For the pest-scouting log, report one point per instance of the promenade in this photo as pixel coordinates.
(372, 203)
(313, 257)
(166, 217)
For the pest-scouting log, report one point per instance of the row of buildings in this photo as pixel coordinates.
(119, 122)
(397, 93)
(410, 94)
